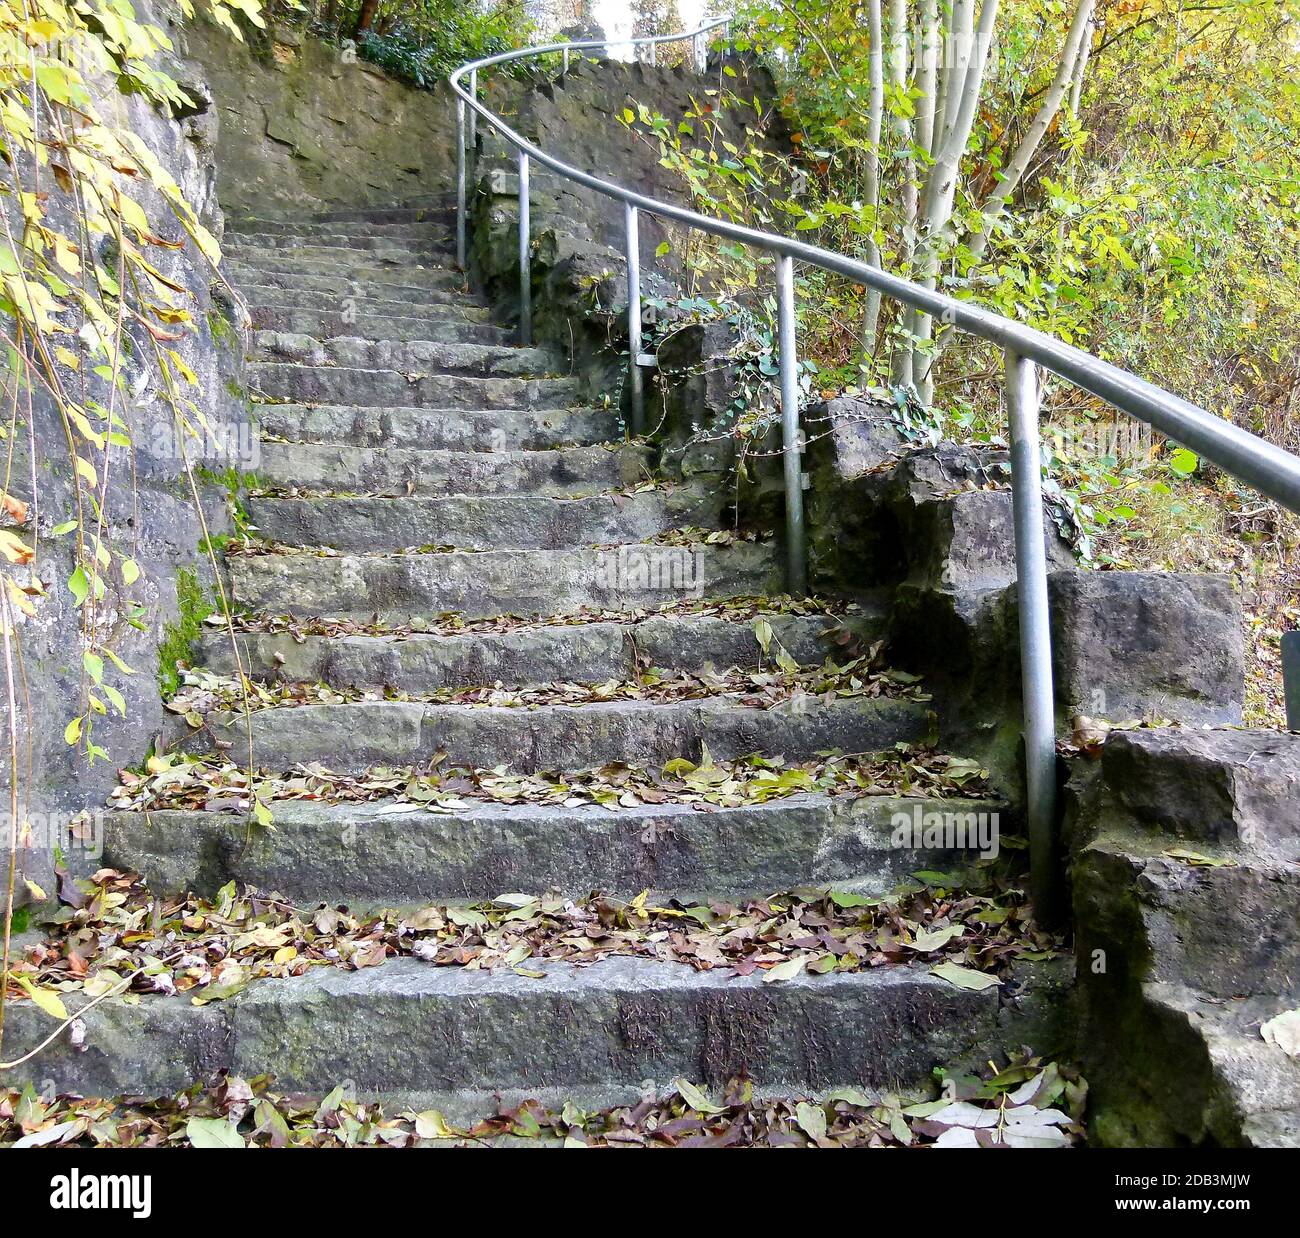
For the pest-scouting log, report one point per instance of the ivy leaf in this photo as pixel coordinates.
(213, 1133)
(695, 1098)
(965, 977)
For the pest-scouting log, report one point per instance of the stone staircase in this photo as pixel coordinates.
(436, 511)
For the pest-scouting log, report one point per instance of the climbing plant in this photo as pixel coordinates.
(92, 219)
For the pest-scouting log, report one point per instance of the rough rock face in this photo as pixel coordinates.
(1228, 788)
(1131, 644)
(578, 268)
(304, 124)
(158, 521)
(1187, 917)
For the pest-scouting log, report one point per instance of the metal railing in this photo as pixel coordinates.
(1272, 471)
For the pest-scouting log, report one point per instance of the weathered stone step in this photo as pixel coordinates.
(339, 231)
(454, 1037)
(349, 217)
(325, 324)
(396, 588)
(579, 652)
(434, 473)
(417, 268)
(427, 239)
(442, 429)
(376, 301)
(480, 521)
(411, 284)
(302, 384)
(422, 356)
(391, 854)
(351, 737)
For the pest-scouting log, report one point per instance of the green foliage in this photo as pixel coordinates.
(193, 606)
(422, 41)
(1157, 225)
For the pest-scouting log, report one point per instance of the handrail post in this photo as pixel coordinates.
(654, 56)
(525, 257)
(566, 60)
(635, 378)
(460, 182)
(791, 435)
(1035, 631)
(473, 117)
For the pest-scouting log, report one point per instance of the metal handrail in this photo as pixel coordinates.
(1272, 471)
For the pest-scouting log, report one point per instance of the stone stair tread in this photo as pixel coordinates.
(355, 735)
(488, 583)
(438, 427)
(417, 238)
(326, 324)
(437, 471)
(400, 854)
(437, 1035)
(419, 355)
(381, 255)
(392, 283)
(361, 216)
(582, 652)
(277, 294)
(479, 522)
(384, 388)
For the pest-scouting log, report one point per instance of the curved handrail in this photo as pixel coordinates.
(1271, 470)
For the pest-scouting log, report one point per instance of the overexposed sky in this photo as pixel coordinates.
(616, 17)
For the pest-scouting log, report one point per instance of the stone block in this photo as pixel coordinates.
(1235, 788)
(1135, 644)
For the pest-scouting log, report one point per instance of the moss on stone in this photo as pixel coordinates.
(193, 606)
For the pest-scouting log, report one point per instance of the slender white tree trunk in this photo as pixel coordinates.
(875, 122)
(1068, 70)
(903, 137)
(963, 95)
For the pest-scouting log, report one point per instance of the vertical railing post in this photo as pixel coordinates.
(566, 59)
(1291, 678)
(653, 52)
(473, 119)
(525, 256)
(1035, 631)
(791, 434)
(460, 182)
(635, 377)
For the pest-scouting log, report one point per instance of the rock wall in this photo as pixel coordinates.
(1187, 921)
(304, 124)
(150, 514)
(579, 265)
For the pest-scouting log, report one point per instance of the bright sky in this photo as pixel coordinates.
(616, 17)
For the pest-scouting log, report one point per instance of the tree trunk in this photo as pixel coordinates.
(365, 19)
(875, 119)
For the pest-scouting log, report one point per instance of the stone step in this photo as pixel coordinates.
(440, 429)
(410, 284)
(433, 325)
(398, 588)
(434, 473)
(417, 268)
(424, 238)
(339, 231)
(579, 652)
(455, 1038)
(389, 854)
(351, 737)
(479, 521)
(434, 303)
(303, 384)
(422, 356)
(359, 217)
